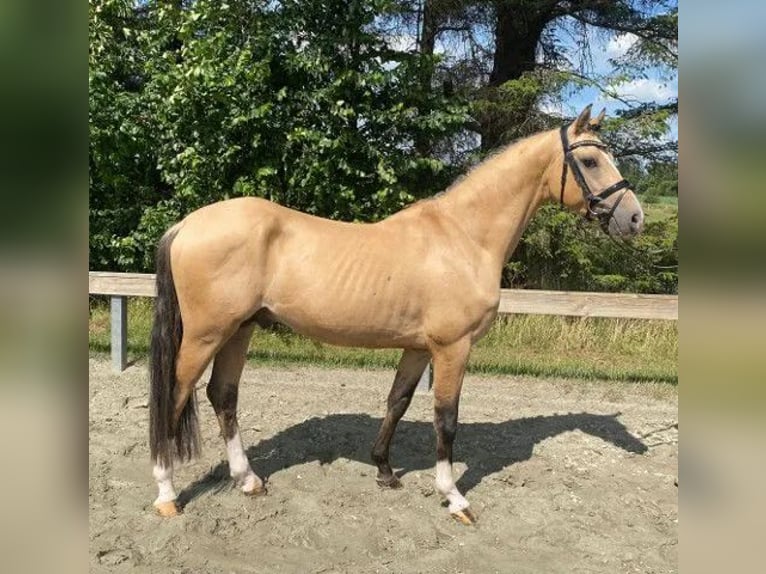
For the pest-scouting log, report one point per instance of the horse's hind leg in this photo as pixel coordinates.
(411, 367)
(222, 391)
(194, 354)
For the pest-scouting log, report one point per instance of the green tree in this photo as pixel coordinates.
(351, 110)
(662, 177)
(510, 56)
(300, 102)
(560, 251)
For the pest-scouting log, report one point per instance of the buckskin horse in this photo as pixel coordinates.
(425, 280)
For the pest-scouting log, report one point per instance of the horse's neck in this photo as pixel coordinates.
(496, 200)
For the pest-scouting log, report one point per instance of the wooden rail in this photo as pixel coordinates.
(582, 304)
(120, 286)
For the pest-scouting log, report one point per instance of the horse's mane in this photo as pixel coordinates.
(471, 171)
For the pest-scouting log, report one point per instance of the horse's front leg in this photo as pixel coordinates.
(449, 368)
(411, 367)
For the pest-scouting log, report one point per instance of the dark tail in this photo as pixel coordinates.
(166, 340)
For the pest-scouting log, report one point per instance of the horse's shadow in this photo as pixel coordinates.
(484, 447)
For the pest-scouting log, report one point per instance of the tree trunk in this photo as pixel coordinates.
(517, 34)
(428, 33)
(518, 29)
(429, 29)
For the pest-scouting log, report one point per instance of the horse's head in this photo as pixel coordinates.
(590, 181)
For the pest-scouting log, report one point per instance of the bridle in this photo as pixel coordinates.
(592, 199)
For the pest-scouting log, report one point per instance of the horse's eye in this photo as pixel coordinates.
(589, 162)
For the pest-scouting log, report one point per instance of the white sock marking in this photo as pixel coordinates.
(446, 486)
(239, 466)
(164, 477)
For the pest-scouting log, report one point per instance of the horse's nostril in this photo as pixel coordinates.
(637, 222)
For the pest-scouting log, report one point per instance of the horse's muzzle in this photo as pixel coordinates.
(636, 223)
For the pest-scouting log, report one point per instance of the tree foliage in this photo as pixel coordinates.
(561, 251)
(297, 102)
(351, 110)
(510, 57)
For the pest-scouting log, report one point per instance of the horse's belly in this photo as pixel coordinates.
(363, 328)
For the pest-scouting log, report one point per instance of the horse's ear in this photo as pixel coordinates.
(581, 123)
(595, 123)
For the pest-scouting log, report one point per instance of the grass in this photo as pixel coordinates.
(665, 208)
(594, 348)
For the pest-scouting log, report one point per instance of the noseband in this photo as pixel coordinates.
(592, 199)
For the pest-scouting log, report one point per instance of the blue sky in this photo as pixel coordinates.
(656, 85)
(652, 88)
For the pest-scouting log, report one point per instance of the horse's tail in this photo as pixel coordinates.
(166, 340)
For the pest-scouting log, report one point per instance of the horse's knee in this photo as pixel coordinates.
(397, 406)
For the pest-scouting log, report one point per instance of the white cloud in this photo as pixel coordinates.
(409, 43)
(618, 46)
(552, 108)
(646, 90)
(401, 42)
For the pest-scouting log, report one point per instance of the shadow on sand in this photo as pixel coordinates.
(484, 447)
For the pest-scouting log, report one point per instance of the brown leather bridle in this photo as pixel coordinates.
(592, 199)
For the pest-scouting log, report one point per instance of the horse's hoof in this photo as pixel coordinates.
(464, 516)
(389, 482)
(167, 509)
(257, 491)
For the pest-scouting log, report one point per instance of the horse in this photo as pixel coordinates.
(425, 280)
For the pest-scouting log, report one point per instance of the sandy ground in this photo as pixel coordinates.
(565, 476)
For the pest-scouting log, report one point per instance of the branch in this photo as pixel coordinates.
(640, 29)
(594, 84)
(645, 150)
(635, 112)
(464, 28)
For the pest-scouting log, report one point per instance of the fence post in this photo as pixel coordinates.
(119, 332)
(425, 382)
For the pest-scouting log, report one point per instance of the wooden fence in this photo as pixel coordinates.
(120, 286)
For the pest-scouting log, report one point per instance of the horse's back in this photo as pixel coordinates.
(237, 256)
(345, 283)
